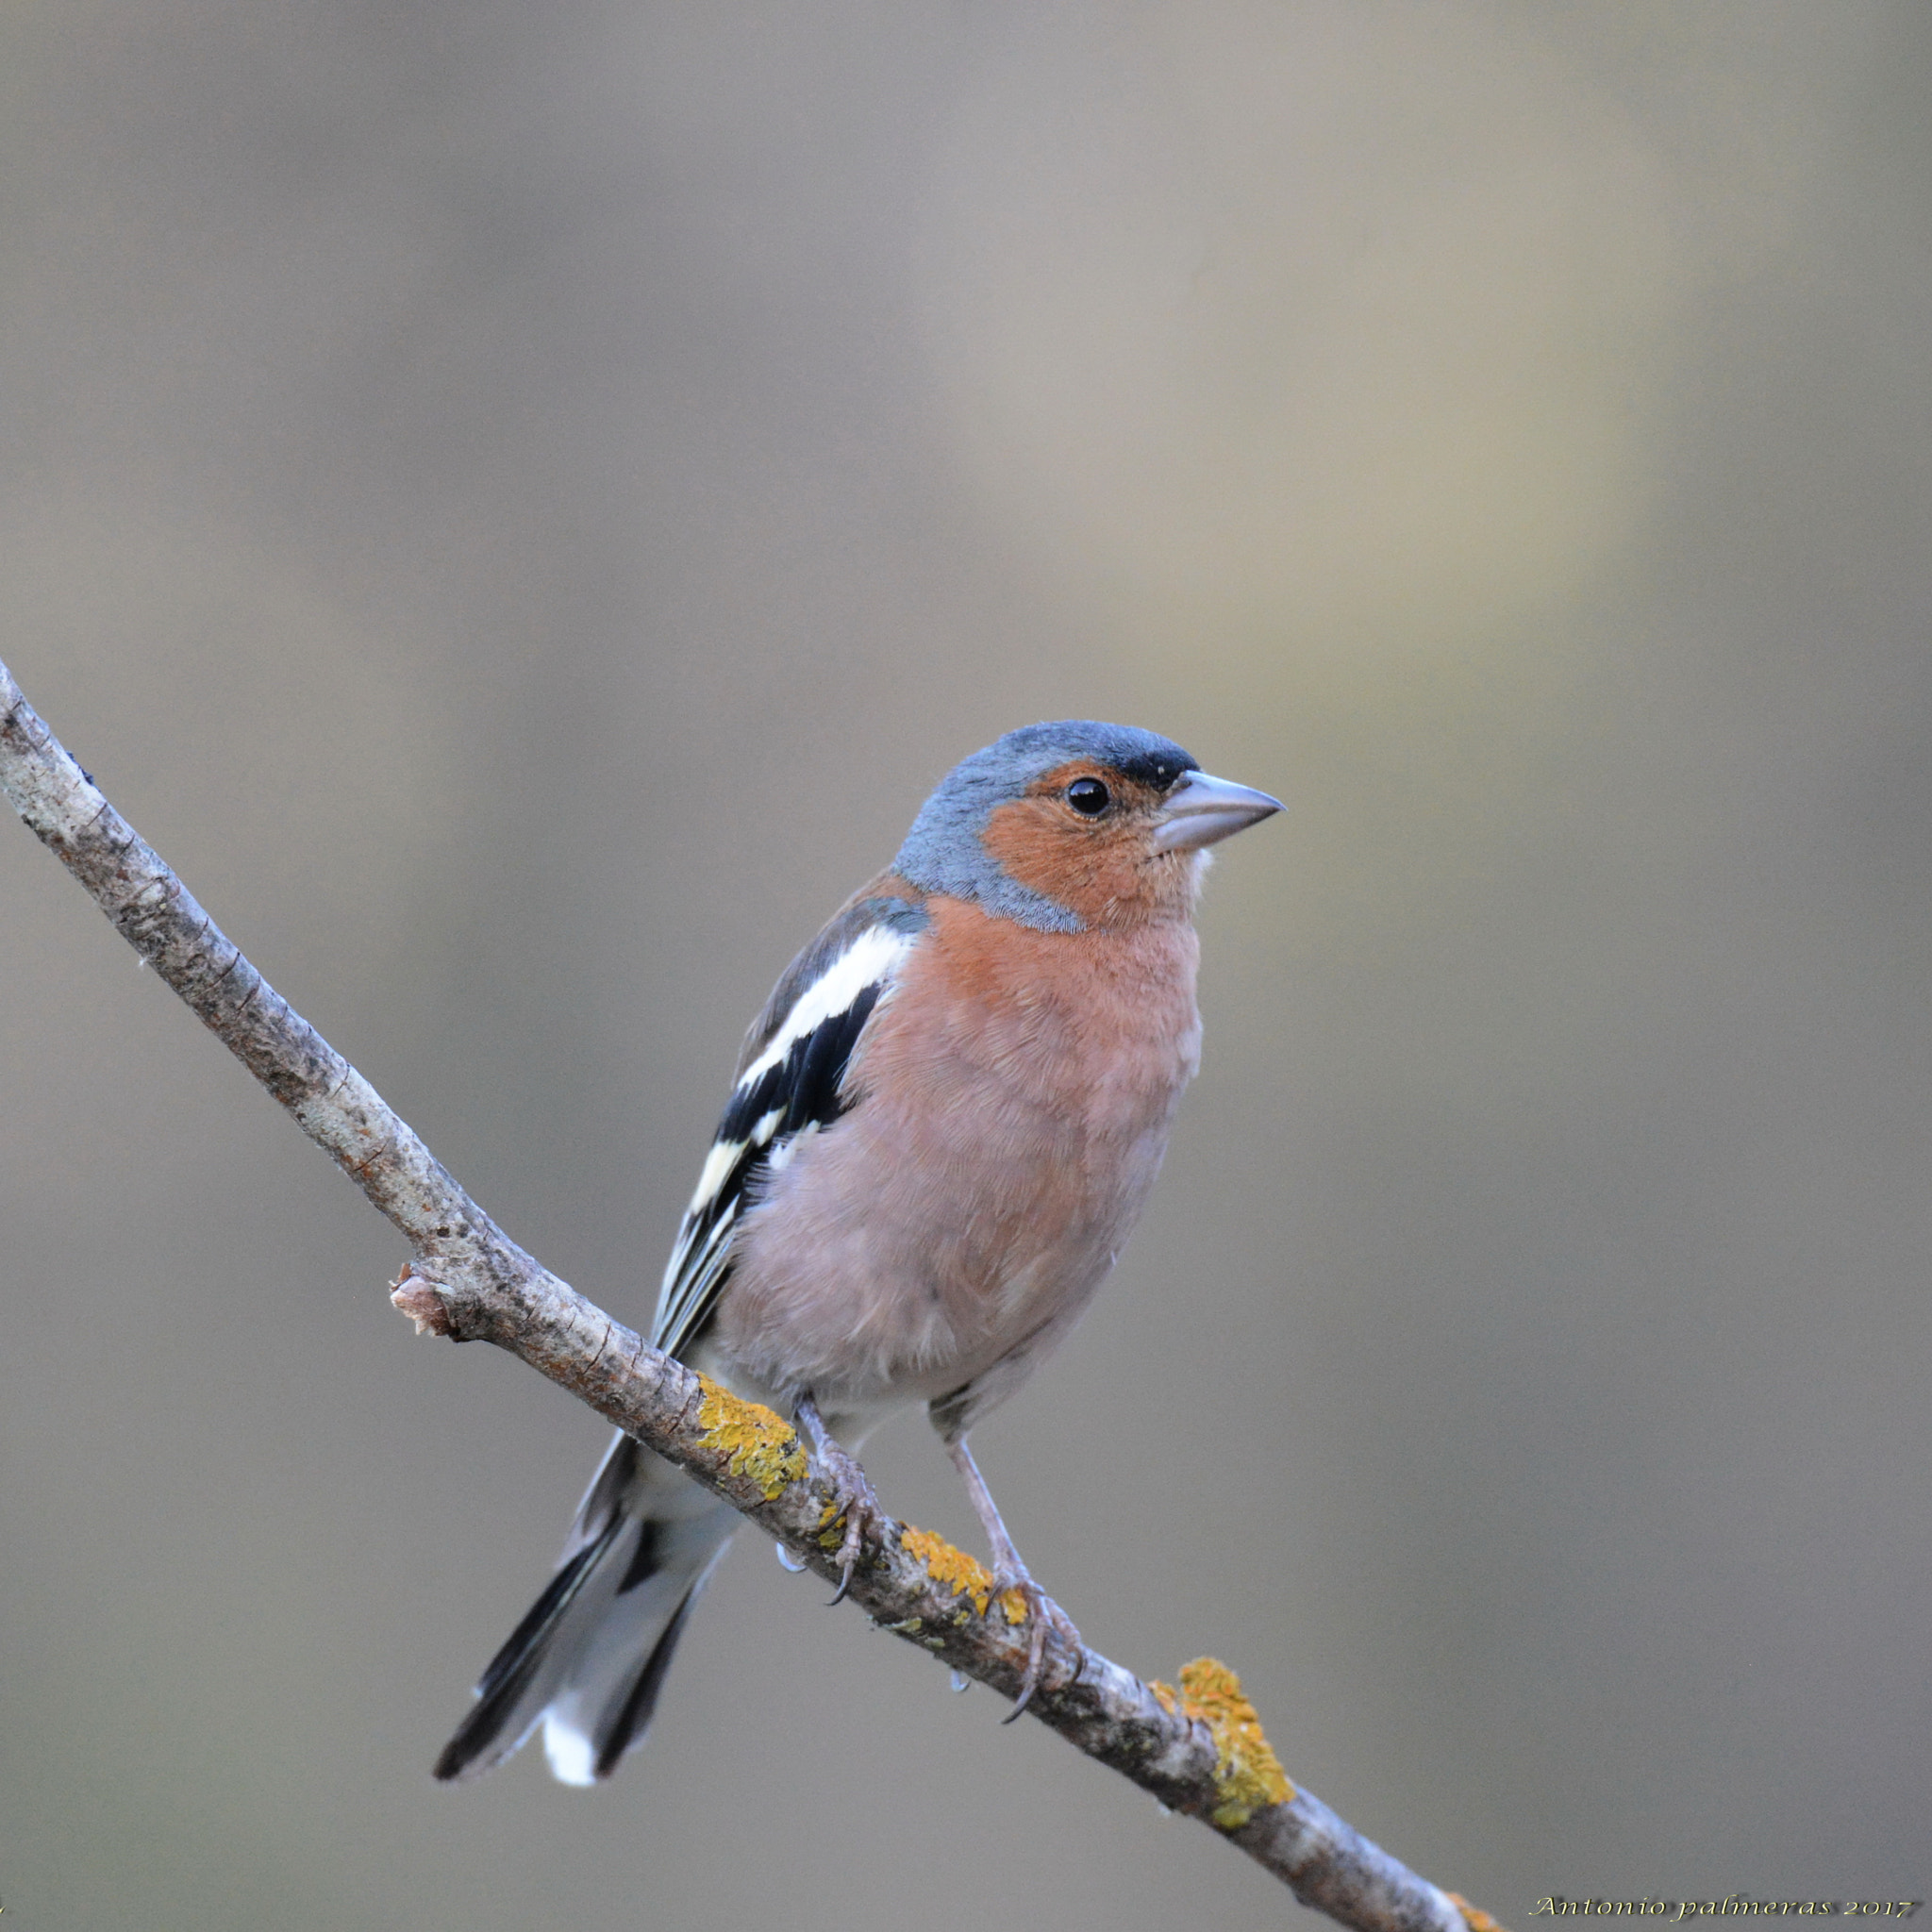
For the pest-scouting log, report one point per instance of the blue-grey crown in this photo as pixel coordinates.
(944, 853)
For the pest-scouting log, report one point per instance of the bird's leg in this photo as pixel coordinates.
(854, 1495)
(1010, 1573)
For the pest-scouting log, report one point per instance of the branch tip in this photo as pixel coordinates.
(1473, 1916)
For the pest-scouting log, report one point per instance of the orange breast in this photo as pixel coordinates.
(1015, 1097)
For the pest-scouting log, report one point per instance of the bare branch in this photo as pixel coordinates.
(1198, 1749)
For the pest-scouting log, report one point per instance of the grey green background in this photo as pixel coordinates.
(520, 503)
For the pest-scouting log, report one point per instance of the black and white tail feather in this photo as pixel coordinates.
(590, 1656)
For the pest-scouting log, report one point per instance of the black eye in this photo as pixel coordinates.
(1088, 797)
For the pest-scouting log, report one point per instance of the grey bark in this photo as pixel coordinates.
(466, 1280)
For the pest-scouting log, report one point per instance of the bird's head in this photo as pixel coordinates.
(1075, 827)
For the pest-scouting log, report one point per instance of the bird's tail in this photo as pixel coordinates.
(590, 1656)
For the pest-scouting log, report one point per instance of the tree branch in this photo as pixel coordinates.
(1199, 1749)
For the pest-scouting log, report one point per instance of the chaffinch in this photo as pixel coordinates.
(941, 1132)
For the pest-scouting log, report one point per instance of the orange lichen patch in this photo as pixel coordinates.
(758, 1443)
(962, 1575)
(1473, 1916)
(1248, 1777)
(832, 1527)
(1163, 1696)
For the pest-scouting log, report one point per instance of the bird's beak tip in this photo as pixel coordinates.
(1202, 810)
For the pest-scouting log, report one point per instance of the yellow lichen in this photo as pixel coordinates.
(759, 1445)
(962, 1575)
(832, 1527)
(952, 1569)
(1248, 1777)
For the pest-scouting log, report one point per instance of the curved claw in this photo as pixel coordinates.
(860, 1508)
(1043, 1615)
(853, 1495)
(1035, 1653)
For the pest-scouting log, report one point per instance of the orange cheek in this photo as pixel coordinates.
(1103, 873)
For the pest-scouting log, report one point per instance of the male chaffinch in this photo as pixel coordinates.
(941, 1132)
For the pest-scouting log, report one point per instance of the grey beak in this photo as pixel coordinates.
(1203, 811)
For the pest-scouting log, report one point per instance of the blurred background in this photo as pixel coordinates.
(519, 504)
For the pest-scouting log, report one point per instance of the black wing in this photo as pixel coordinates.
(791, 1083)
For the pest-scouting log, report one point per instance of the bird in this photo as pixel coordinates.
(941, 1132)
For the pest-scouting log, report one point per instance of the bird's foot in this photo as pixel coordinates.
(853, 1495)
(1044, 1618)
(855, 1499)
